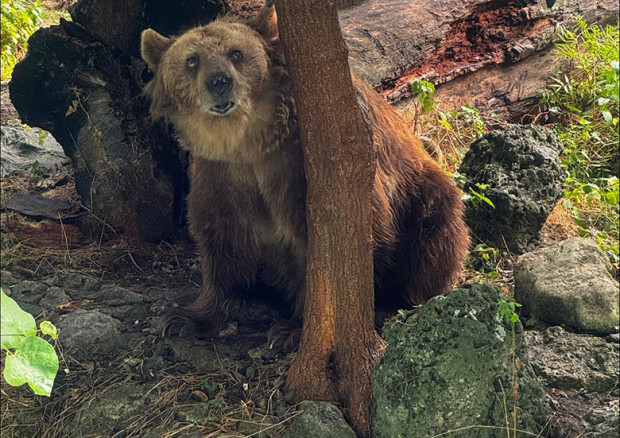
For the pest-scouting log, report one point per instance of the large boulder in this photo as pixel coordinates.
(456, 366)
(569, 284)
(519, 167)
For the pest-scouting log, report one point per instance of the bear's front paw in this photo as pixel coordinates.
(179, 323)
(284, 336)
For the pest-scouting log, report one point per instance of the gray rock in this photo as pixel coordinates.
(604, 422)
(113, 295)
(571, 361)
(28, 291)
(581, 415)
(319, 419)
(568, 284)
(7, 279)
(87, 332)
(22, 147)
(111, 411)
(54, 297)
(520, 165)
(25, 273)
(450, 366)
(79, 282)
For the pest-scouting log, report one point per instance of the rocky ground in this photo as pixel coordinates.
(120, 378)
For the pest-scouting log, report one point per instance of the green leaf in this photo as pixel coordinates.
(14, 323)
(47, 328)
(607, 116)
(481, 197)
(35, 363)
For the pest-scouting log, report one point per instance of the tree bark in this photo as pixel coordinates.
(340, 167)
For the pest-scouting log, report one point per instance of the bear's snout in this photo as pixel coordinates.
(219, 84)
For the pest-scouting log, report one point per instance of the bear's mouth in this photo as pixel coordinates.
(222, 108)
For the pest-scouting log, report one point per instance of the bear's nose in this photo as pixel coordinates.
(219, 84)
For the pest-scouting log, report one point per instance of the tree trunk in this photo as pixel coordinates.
(339, 310)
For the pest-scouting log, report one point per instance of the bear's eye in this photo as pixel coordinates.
(192, 62)
(235, 55)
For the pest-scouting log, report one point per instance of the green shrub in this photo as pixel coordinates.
(583, 104)
(19, 19)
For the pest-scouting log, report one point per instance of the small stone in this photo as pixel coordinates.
(568, 284)
(114, 409)
(24, 273)
(319, 419)
(7, 279)
(75, 281)
(29, 291)
(113, 295)
(54, 297)
(86, 332)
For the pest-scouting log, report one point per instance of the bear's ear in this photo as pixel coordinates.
(266, 22)
(153, 47)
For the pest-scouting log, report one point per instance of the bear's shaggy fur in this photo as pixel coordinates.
(225, 89)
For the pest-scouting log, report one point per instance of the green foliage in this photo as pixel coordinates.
(508, 309)
(424, 92)
(465, 124)
(210, 388)
(29, 359)
(583, 102)
(19, 19)
(457, 129)
(476, 198)
(486, 259)
(473, 196)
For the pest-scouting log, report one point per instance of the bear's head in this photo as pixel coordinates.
(213, 78)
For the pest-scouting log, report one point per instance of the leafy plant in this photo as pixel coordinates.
(486, 259)
(19, 19)
(29, 358)
(458, 128)
(476, 198)
(583, 104)
(508, 309)
(473, 196)
(424, 94)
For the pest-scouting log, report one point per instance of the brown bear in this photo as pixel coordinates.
(225, 89)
